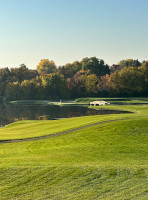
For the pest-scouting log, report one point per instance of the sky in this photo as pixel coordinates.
(68, 30)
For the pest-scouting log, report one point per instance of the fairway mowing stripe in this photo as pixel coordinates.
(56, 134)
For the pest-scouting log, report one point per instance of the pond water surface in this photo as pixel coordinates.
(10, 113)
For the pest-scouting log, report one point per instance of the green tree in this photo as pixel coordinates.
(91, 84)
(69, 70)
(129, 63)
(55, 86)
(12, 91)
(95, 65)
(5, 78)
(28, 90)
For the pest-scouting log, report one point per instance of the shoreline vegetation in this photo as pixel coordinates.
(106, 161)
(85, 101)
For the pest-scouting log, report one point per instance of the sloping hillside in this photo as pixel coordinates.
(104, 161)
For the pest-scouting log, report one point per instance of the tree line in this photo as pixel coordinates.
(89, 77)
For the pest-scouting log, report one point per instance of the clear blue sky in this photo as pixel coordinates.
(68, 30)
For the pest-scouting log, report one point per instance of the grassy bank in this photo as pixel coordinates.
(128, 101)
(46, 102)
(106, 161)
(35, 128)
(83, 101)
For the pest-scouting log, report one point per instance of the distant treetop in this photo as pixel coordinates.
(47, 66)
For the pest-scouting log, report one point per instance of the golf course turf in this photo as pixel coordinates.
(108, 160)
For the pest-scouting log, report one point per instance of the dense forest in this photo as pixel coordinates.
(89, 77)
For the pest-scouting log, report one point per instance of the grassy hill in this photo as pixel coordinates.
(105, 161)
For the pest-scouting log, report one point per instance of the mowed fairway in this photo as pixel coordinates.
(105, 161)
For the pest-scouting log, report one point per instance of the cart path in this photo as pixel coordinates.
(57, 134)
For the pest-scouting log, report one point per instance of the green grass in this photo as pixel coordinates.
(35, 128)
(82, 101)
(43, 102)
(94, 146)
(47, 102)
(73, 183)
(107, 161)
(127, 101)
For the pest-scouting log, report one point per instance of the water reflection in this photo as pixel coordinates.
(11, 113)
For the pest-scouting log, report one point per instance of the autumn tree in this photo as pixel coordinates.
(23, 73)
(76, 84)
(46, 66)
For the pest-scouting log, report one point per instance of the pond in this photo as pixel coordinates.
(14, 112)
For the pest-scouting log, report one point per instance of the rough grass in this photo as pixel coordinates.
(107, 161)
(73, 183)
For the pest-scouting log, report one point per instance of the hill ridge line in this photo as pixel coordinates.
(56, 134)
